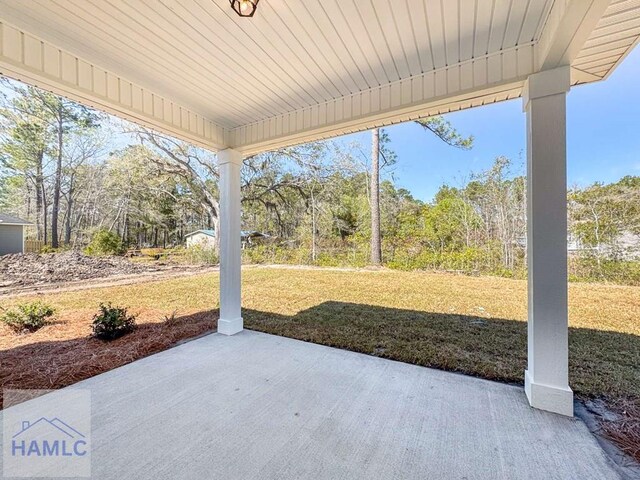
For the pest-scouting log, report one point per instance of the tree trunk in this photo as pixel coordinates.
(125, 229)
(57, 184)
(45, 209)
(28, 195)
(67, 224)
(215, 221)
(313, 227)
(39, 201)
(376, 243)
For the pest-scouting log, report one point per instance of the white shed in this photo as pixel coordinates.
(12, 234)
(201, 238)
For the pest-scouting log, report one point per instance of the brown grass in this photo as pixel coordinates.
(474, 325)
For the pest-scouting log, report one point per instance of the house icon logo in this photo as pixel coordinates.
(46, 433)
(48, 438)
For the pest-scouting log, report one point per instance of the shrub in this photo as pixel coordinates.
(104, 242)
(199, 255)
(624, 272)
(112, 322)
(28, 317)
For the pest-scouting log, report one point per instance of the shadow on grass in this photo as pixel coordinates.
(57, 364)
(602, 363)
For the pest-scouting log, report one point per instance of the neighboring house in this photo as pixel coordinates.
(251, 238)
(629, 246)
(202, 238)
(12, 234)
(625, 246)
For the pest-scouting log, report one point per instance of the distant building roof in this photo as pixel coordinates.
(210, 233)
(252, 233)
(243, 233)
(11, 220)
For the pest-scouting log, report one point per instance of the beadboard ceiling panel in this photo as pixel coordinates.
(303, 69)
(614, 37)
(292, 54)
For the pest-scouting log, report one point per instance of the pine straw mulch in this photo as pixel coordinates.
(63, 353)
(624, 428)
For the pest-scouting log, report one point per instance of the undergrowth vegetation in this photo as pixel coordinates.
(104, 242)
(469, 261)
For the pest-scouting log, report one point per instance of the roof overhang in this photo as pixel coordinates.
(303, 70)
(200, 232)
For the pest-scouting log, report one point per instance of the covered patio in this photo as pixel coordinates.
(258, 406)
(305, 70)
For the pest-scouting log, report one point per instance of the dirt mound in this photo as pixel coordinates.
(34, 269)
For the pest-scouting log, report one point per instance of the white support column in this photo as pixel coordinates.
(230, 163)
(547, 375)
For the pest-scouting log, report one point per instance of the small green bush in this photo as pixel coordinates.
(112, 322)
(104, 242)
(28, 317)
(201, 255)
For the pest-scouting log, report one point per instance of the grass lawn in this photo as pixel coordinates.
(474, 325)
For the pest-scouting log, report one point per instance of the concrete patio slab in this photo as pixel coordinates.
(257, 406)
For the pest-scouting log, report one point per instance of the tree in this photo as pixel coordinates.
(279, 180)
(443, 129)
(437, 125)
(24, 144)
(376, 237)
(195, 167)
(36, 126)
(499, 197)
(83, 147)
(600, 214)
(64, 117)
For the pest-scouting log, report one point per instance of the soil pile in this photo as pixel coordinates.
(34, 269)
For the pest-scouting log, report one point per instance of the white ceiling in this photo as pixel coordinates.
(306, 65)
(291, 54)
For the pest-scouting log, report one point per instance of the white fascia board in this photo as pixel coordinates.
(622, 57)
(483, 80)
(568, 26)
(580, 76)
(26, 58)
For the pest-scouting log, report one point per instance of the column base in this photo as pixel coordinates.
(546, 397)
(230, 327)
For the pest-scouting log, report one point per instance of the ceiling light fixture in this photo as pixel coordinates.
(244, 8)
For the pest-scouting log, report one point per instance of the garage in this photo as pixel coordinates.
(12, 233)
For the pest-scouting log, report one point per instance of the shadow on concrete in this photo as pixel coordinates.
(601, 362)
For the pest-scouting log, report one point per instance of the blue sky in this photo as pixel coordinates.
(603, 137)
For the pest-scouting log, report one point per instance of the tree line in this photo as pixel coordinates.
(74, 171)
